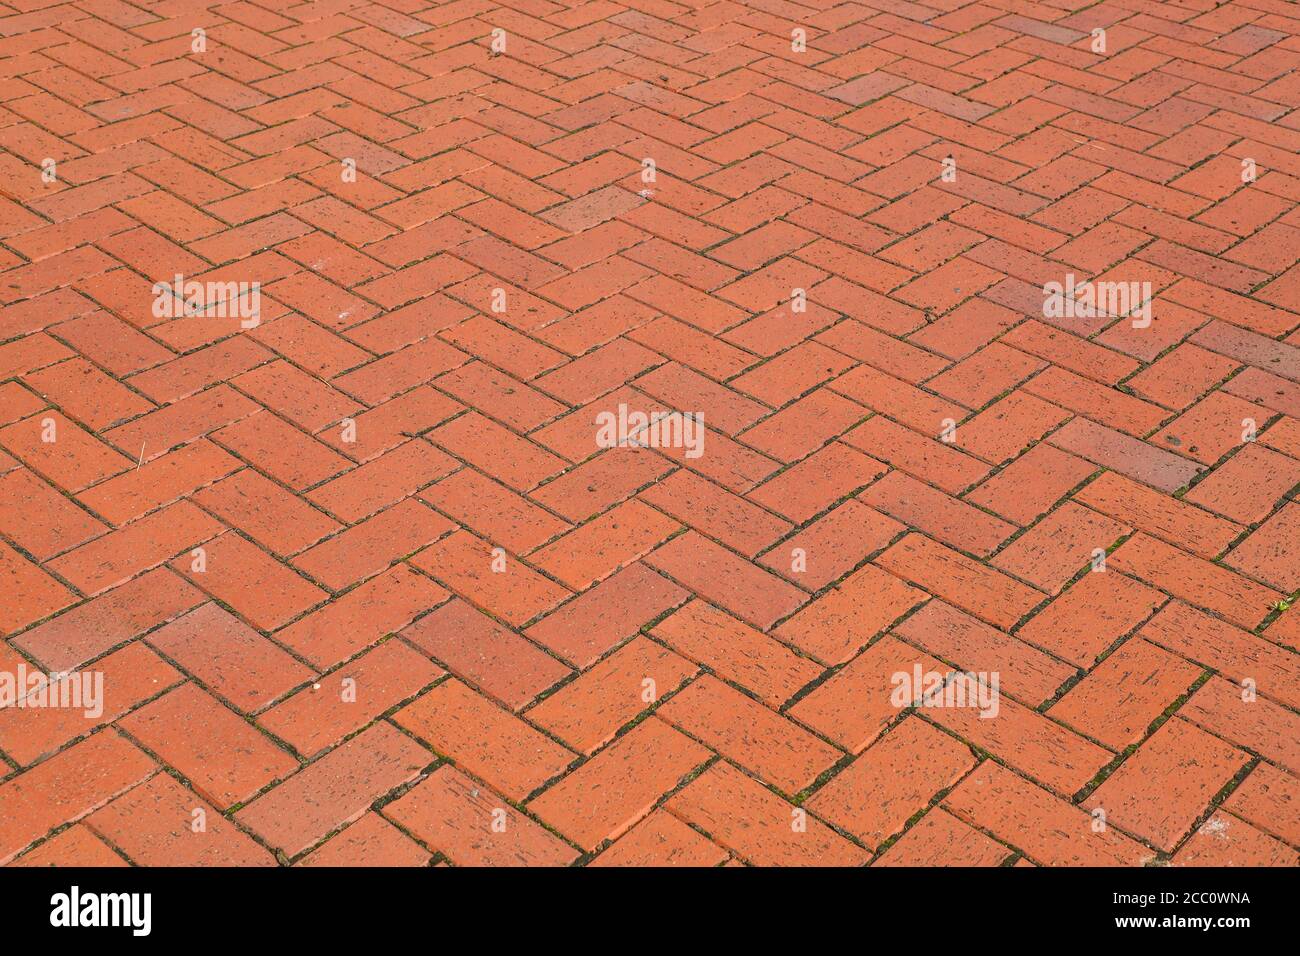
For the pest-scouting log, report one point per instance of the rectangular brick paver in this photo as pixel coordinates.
(610, 428)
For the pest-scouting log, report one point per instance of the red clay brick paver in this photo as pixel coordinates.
(583, 425)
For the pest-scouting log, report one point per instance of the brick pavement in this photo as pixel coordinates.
(369, 578)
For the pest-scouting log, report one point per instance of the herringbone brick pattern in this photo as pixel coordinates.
(364, 586)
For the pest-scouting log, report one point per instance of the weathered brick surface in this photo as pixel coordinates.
(369, 578)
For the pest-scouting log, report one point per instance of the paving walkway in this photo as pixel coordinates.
(637, 431)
